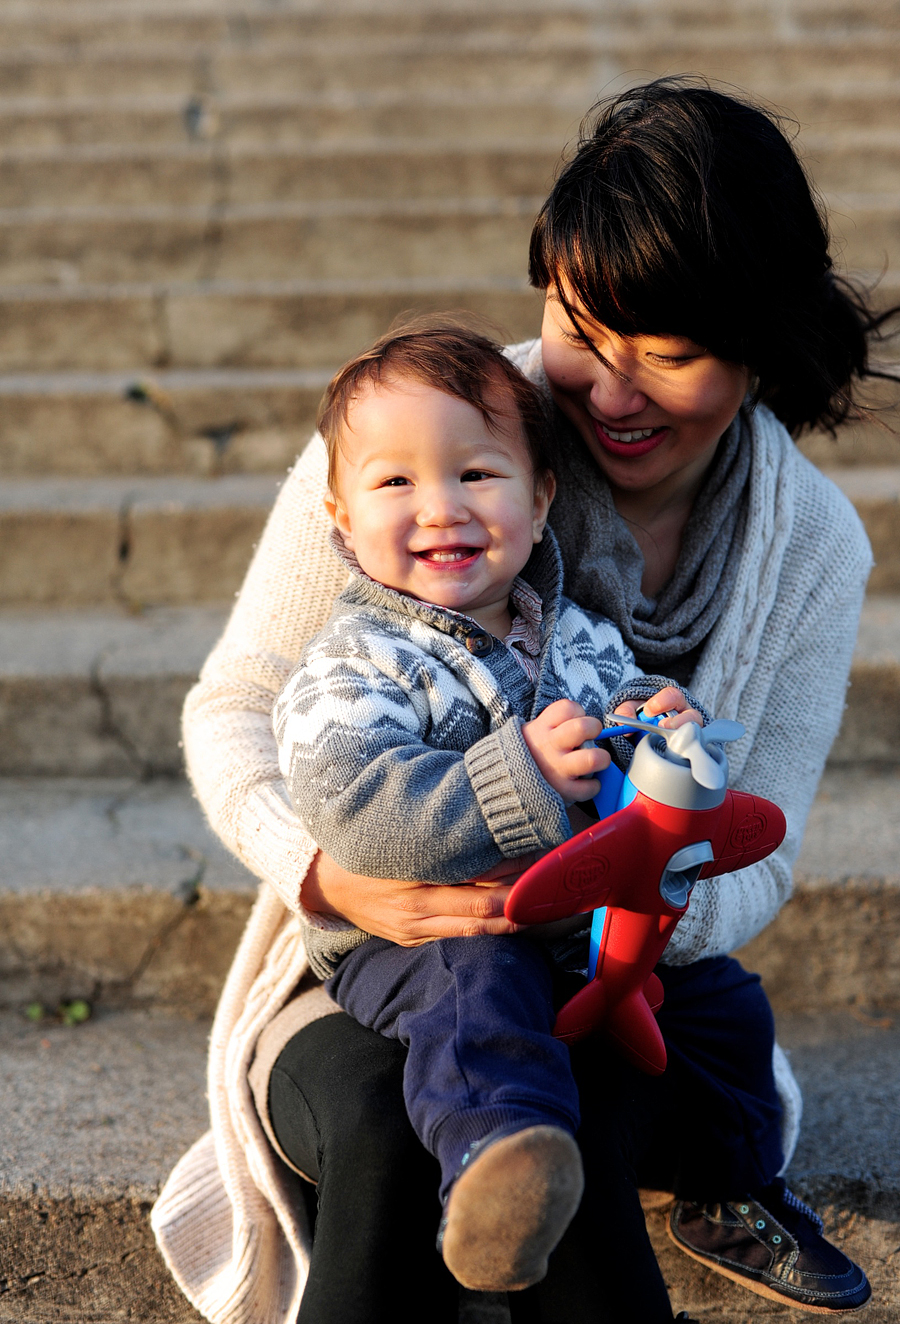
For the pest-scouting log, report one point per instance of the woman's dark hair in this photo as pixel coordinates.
(685, 211)
(451, 357)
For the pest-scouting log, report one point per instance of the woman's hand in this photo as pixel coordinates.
(409, 913)
(663, 701)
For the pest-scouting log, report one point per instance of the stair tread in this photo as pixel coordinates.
(123, 1096)
(68, 835)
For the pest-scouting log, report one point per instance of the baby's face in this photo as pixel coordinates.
(434, 503)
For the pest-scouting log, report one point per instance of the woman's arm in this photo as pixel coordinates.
(785, 764)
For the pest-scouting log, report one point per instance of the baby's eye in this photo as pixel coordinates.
(396, 481)
(475, 475)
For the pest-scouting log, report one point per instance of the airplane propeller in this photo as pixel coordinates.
(689, 742)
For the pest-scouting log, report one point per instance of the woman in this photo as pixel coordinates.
(692, 322)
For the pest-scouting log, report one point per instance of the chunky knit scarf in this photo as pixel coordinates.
(606, 563)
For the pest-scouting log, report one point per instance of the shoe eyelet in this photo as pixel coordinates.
(776, 1240)
(743, 1209)
(760, 1223)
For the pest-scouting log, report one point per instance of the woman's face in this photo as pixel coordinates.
(651, 409)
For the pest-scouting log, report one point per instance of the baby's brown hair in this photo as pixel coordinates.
(450, 357)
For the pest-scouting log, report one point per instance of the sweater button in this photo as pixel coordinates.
(479, 644)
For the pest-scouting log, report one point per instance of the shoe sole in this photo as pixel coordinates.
(762, 1289)
(508, 1211)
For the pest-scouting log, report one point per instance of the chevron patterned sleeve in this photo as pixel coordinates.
(384, 801)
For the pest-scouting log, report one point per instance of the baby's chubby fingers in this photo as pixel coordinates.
(663, 701)
(574, 733)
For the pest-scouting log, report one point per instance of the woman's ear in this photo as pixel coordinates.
(544, 492)
(338, 515)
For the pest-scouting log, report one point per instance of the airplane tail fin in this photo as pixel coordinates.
(633, 1026)
(582, 1013)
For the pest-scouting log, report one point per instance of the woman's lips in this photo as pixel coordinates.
(642, 446)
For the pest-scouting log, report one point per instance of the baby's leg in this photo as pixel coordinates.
(488, 1089)
(477, 1015)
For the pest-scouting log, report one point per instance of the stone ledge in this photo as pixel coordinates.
(123, 1095)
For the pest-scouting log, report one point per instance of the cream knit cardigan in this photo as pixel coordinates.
(228, 1221)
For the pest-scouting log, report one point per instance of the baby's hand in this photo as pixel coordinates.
(556, 740)
(663, 701)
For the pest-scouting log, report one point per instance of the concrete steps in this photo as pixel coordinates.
(114, 890)
(210, 421)
(122, 1097)
(239, 325)
(97, 692)
(134, 541)
(473, 59)
(260, 116)
(360, 169)
(477, 236)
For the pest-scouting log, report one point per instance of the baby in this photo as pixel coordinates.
(442, 722)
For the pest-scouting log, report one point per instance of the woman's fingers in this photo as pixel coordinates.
(465, 911)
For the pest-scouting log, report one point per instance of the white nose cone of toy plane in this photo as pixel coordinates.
(690, 741)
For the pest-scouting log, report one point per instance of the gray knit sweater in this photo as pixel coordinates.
(400, 734)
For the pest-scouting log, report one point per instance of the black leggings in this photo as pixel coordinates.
(336, 1104)
(336, 1100)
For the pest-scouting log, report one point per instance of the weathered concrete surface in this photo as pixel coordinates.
(204, 423)
(875, 492)
(128, 541)
(147, 541)
(95, 1116)
(93, 1119)
(837, 941)
(114, 891)
(278, 240)
(258, 115)
(275, 241)
(293, 325)
(870, 731)
(98, 693)
(204, 174)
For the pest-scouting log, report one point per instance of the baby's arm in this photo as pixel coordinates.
(560, 740)
(384, 803)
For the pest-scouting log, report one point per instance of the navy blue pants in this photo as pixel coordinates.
(476, 1015)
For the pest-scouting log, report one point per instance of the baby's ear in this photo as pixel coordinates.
(338, 516)
(544, 492)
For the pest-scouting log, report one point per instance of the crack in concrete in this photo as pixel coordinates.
(188, 891)
(162, 327)
(109, 726)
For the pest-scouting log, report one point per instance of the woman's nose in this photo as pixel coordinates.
(614, 396)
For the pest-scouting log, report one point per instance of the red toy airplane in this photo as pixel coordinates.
(636, 869)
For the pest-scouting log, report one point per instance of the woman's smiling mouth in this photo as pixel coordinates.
(629, 441)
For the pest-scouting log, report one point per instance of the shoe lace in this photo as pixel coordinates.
(793, 1202)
